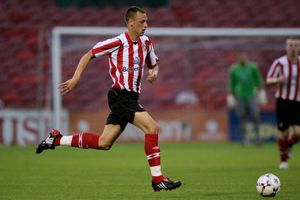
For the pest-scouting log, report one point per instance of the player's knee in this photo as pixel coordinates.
(256, 119)
(297, 134)
(154, 128)
(284, 135)
(297, 131)
(105, 146)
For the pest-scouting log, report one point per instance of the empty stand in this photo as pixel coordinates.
(25, 55)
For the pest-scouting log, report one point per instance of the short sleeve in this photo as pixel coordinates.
(151, 58)
(275, 69)
(106, 47)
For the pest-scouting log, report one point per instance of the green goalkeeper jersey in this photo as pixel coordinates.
(244, 80)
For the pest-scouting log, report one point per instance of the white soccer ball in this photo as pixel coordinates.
(268, 185)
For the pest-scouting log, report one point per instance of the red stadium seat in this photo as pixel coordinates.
(22, 22)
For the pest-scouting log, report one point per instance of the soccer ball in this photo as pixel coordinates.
(268, 185)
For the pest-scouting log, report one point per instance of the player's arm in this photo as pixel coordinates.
(70, 84)
(262, 97)
(275, 75)
(232, 81)
(230, 99)
(276, 80)
(152, 63)
(259, 81)
(153, 73)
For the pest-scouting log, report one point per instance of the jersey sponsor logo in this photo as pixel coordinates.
(131, 69)
(294, 79)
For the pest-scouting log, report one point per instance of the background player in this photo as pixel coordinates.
(245, 81)
(285, 73)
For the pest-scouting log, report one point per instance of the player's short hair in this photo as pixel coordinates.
(292, 38)
(131, 11)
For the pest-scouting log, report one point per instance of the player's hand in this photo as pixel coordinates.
(231, 101)
(67, 86)
(152, 76)
(282, 79)
(262, 97)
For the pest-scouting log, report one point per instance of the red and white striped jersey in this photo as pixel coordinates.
(127, 60)
(291, 89)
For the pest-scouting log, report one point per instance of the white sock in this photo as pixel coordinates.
(66, 140)
(156, 170)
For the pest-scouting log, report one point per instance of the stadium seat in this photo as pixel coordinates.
(22, 23)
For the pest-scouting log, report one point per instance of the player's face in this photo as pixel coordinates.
(292, 47)
(139, 23)
(242, 58)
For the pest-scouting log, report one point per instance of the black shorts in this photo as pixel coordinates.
(123, 104)
(287, 113)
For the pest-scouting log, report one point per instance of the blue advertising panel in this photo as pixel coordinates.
(267, 130)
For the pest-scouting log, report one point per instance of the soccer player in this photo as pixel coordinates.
(285, 73)
(245, 81)
(127, 54)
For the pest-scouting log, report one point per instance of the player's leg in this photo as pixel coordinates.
(255, 112)
(92, 140)
(110, 134)
(282, 120)
(83, 140)
(147, 124)
(295, 121)
(287, 115)
(283, 146)
(112, 130)
(241, 111)
(294, 138)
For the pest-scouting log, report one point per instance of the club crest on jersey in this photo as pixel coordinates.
(136, 60)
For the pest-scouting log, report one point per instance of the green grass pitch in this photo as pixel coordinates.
(207, 171)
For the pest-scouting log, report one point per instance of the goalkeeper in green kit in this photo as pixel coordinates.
(246, 91)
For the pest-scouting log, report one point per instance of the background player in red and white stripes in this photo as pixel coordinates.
(128, 53)
(285, 72)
